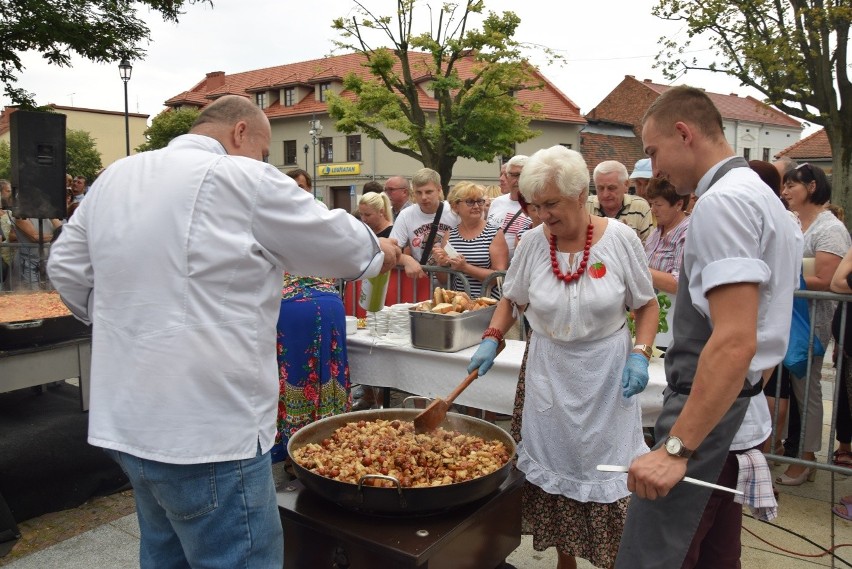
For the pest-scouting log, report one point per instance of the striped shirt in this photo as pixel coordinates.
(666, 253)
(635, 212)
(475, 252)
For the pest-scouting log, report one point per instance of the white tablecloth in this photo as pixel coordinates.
(395, 363)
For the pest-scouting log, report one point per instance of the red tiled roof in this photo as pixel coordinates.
(555, 106)
(630, 99)
(811, 147)
(597, 147)
(734, 107)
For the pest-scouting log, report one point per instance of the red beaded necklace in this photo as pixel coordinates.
(582, 269)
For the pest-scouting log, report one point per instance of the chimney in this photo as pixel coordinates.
(215, 79)
(734, 95)
(647, 81)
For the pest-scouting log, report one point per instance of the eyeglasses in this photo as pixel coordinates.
(471, 203)
(513, 174)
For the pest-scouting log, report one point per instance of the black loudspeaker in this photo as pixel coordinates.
(38, 164)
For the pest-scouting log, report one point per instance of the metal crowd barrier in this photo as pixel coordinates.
(18, 277)
(401, 288)
(837, 398)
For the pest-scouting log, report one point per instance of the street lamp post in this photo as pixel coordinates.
(125, 69)
(306, 148)
(315, 134)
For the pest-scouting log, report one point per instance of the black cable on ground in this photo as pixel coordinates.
(800, 536)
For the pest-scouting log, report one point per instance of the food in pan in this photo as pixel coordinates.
(452, 303)
(392, 448)
(31, 306)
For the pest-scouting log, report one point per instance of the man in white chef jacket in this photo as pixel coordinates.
(176, 260)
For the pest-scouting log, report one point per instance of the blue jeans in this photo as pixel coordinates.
(214, 515)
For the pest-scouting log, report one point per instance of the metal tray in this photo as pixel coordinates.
(41, 331)
(442, 333)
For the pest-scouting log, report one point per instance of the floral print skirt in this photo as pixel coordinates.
(313, 370)
(589, 530)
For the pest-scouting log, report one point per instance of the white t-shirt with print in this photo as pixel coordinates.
(412, 226)
(501, 212)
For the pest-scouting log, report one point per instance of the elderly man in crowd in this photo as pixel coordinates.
(399, 192)
(184, 386)
(505, 211)
(641, 175)
(612, 199)
(505, 187)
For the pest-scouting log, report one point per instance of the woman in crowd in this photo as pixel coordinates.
(313, 370)
(572, 277)
(481, 246)
(491, 192)
(775, 395)
(842, 283)
(806, 191)
(664, 247)
(374, 209)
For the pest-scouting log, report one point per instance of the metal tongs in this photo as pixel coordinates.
(614, 468)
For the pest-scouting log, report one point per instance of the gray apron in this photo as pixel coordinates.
(658, 533)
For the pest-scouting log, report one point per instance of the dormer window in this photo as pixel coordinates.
(323, 89)
(260, 99)
(289, 96)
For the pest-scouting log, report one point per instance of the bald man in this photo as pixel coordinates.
(398, 191)
(176, 261)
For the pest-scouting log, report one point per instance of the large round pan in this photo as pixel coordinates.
(404, 501)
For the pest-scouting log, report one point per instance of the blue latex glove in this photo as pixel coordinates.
(484, 356)
(634, 378)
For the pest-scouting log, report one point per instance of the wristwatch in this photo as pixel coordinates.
(644, 349)
(674, 446)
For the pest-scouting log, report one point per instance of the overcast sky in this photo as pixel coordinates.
(602, 41)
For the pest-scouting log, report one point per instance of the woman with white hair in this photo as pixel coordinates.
(572, 277)
(375, 210)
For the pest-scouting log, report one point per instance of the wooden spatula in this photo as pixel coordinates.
(436, 412)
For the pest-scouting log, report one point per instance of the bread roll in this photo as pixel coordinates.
(442, 308)
(437, 296)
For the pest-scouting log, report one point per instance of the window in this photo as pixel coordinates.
(747, 153)
(567, 145)
(353, 148)
(326, 150)
(323, 87)
(765, 155)
(289, 96)
(260, 99)
(289, 152)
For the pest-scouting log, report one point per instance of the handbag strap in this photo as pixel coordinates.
(430, 240)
